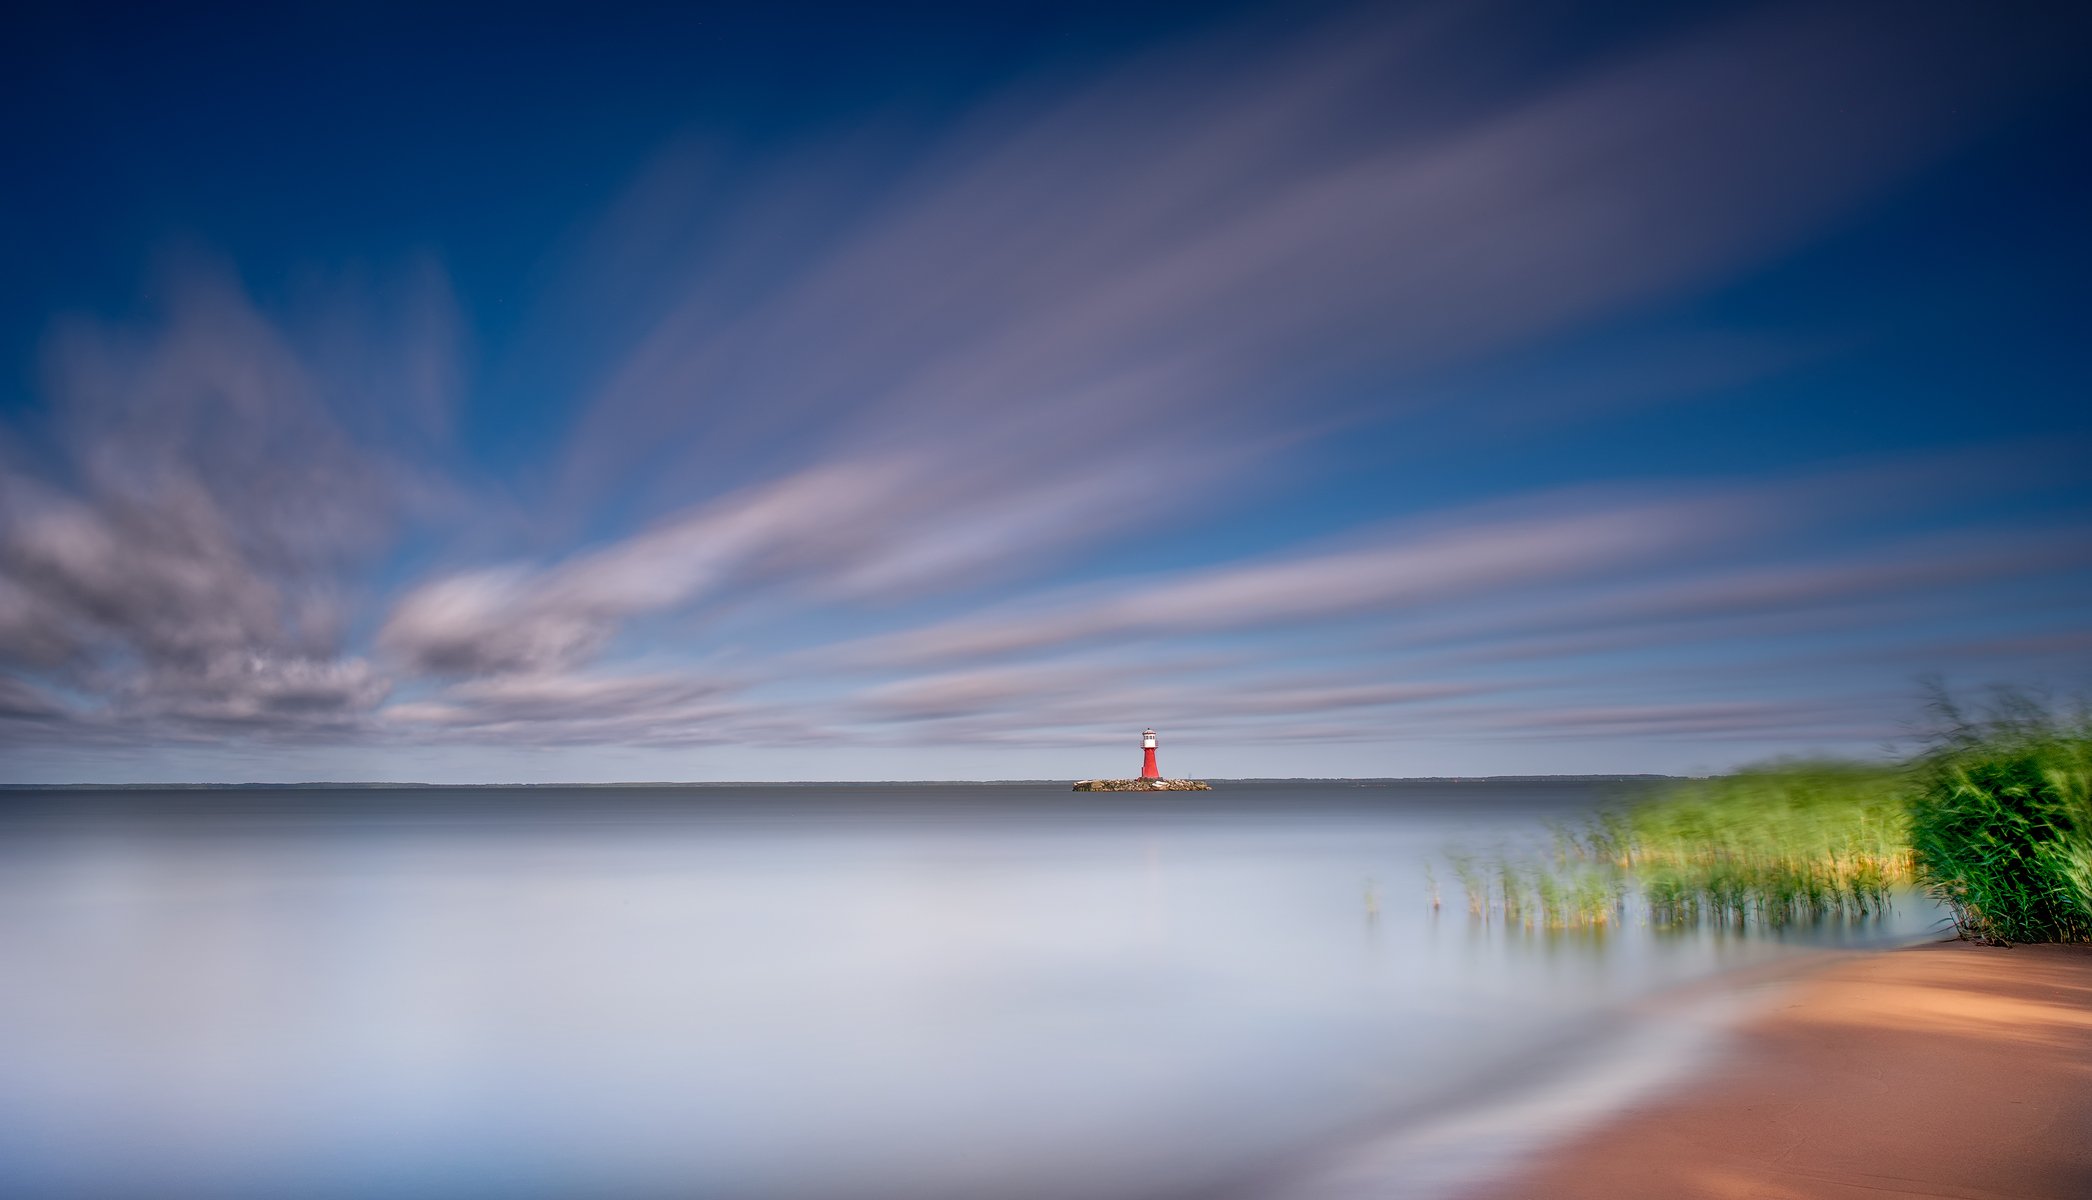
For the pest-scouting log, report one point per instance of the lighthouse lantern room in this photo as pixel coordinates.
(1148, 770)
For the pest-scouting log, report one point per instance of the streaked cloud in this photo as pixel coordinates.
(996, 425)
(182, 555)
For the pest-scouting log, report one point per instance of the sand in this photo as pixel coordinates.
(1943, 1070)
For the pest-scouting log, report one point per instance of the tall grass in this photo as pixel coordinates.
(1995, 820)
(2001, 823)
(1767, 846)
(1772, 844)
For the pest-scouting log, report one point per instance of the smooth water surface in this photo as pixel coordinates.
(784, 991)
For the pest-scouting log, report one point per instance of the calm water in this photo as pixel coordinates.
(916, 991)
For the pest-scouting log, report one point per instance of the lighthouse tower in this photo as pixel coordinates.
(1150, 780)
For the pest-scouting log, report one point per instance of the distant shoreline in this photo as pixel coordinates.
(381, 785)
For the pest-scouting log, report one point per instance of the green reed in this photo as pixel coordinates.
(1770, 845)
(2001, 822)
(1536, 895)
(1995, 820)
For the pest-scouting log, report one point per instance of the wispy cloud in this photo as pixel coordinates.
(1445, 560)
(182, 554)
(1220, 229)
(858, 443)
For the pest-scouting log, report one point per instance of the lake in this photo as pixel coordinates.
(806, 991)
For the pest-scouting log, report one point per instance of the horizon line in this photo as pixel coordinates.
(670, 783)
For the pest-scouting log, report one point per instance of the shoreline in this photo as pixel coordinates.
(1943, 1069)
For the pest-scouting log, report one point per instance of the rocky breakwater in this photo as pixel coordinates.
(1143, 785)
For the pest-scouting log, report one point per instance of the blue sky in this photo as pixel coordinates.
(948, 392)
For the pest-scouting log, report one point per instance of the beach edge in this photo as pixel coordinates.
(1944, 1068)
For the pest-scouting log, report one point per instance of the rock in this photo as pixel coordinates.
(1143, 785)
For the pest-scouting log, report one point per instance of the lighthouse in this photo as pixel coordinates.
(1150, 780)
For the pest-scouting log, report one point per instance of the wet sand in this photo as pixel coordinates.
(1943, 1070)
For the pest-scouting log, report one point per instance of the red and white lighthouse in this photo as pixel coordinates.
(1148, 769)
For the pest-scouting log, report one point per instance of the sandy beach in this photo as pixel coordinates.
(1948, 1069)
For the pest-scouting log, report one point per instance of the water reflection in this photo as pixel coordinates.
(776, 992)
